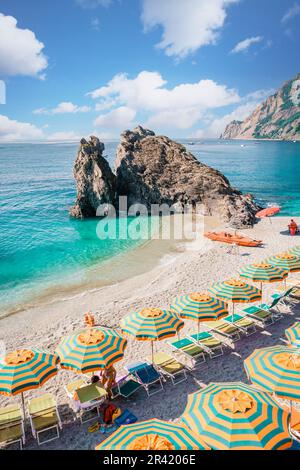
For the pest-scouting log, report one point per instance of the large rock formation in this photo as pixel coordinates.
(156, 170)
(277, 118)
(95, 180)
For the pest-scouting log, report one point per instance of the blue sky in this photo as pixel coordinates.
(183, 68)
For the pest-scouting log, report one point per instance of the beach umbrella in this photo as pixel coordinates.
(277, 370)
(91, 349)
(295, 251)
(287, 261)
(263, 273)
(293, 335)
(235, 291)
(151, 324)
(153, 435)
(235, 416)
(200, 307)
(268, 212)
(26, 369)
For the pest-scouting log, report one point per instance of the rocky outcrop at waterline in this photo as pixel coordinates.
(95, 180)
(154, 169)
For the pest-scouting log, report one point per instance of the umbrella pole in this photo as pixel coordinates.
(152, 351)
(232, 318)
(198, 331)
(23, 406)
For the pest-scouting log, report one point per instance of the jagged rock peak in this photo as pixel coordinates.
(95, 180)
(154, 169)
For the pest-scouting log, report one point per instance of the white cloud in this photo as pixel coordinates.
(11, 130)
(148, 92)
(119, 118)
(187, 25)
(244, 45)
(63, 136)
(216, 125)
(174, 119)
(89, 4)
(21, 53)
(291, 13)
(66, 107)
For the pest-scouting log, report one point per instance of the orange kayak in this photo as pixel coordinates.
(225, 237)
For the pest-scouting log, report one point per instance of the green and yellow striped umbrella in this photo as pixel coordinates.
(26, 369)
(153, 435)
(151, 324)
(276, 369)
(200, 307)
(235, 291)
(235, 416)
(293, 335)
(263, 272)
(295, 250)
(287, 261)
(91, 349)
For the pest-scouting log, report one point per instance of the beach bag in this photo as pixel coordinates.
(108, 414)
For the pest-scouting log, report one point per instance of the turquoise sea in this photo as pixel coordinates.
(41, 248)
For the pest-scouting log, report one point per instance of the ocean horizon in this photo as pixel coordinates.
(42, 248)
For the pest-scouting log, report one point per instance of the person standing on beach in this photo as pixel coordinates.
(109, 380)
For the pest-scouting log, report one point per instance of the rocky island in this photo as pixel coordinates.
(154, 169)
(278, 118)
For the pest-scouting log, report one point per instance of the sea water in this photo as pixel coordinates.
(42, 248)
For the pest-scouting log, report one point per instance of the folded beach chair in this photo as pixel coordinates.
(193, 353)
(245, 325)
(125, 387)
(224, 328)
(169, 367)
(44, 417)
(11, 426)
(147, 376)
(212, 345)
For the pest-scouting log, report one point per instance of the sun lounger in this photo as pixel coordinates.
(245, 325)
(147, 376)
(262, 316)
(212, 345)
(11, 426)
(193, 353)
(44, 417)
(170, 368)
(125, 386)
(285, 297)
(229, 331)
(294, 423)
(90, 398)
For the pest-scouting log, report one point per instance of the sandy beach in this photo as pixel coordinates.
(190, 268)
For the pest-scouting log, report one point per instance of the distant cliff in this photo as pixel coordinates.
(277, 118)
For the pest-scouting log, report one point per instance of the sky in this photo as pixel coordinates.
(72, 68)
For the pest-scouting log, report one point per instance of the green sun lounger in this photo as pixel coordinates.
(11, 426)
(169, 367)
(44, 417)
(264, 317)
(192, 352)
(245, 325)
(212, 345)
(126, 387)
(224, 328)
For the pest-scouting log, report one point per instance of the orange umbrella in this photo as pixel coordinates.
(268, 212)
